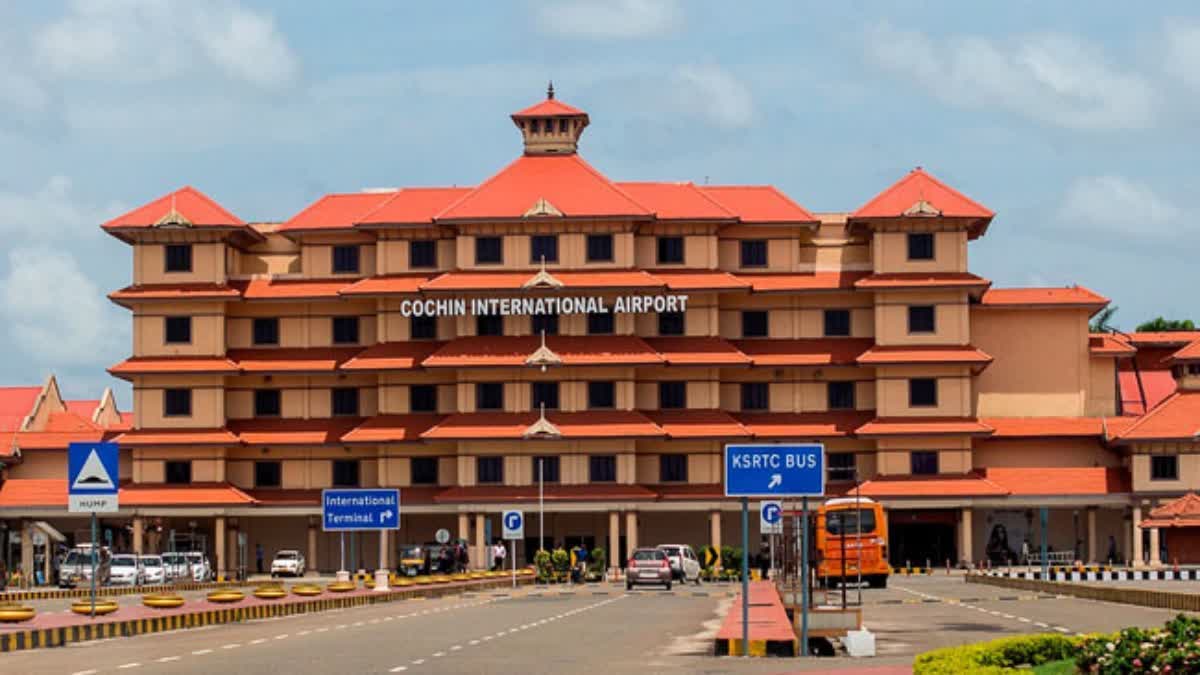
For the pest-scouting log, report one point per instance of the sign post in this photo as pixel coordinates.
(92, 474)
(804, 575)
(514, 529)
(770, 523)
(772, 471)
(356, 510)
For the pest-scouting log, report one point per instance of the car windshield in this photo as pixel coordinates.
(851, 522)
(286, 555)
(649, 555)
(152, 562)
(79, 558)
(671, 550)
(124, 561)
(173, 559)
(194, 557)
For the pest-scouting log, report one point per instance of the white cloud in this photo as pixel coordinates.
(1121, 206)
(50, 213)
(1181, 40)
(154, 40)
(1052, 78)
(602, 19)
(715, 94)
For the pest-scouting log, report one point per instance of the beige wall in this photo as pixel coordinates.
(208, 330)
(1034, 452)
(316, 260)
(1189, 467)
(572, 251)
(899, 462)
(208, 406)
(951, 318)
(954, 391)
(1041, 363)
(208, 264)
(699, 252)
(891, 253)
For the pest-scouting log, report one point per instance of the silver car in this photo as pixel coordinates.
(685, 566)
(201, 570)
(648, 566)
(126, 570)
(153, 570)
(177, 567)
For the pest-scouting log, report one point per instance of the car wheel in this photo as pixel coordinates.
(668, 585)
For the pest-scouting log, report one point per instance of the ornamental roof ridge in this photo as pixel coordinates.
(542, 428)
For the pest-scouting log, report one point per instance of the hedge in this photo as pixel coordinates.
(1005, 655)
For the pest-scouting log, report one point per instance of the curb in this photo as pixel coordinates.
(1122, 595)
(59, 593)
(726, 647)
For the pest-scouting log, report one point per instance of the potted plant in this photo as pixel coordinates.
(597, 566)
(544, 567)
(561, 562)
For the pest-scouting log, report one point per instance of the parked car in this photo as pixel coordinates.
(685, 565)
(413, 560)
(201, 570)
(289, 561)
(76, 568)
(648, 566)
(126, 570)
(177, 567)
(152, 569)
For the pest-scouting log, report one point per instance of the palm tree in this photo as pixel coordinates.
(1159, 325)
(1101, 324)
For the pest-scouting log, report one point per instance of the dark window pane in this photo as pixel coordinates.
(841, 466)
(841, 395)
(422, 253)
(267, 403)
(423, 327)
(602, 394)
(601, 323)
(424, 470)
(489, 324)
(672, 395)
(850, 522)
(345, 259)
(177, 403)
(268, 474)
(489, 470)
(754, 253)
(549, 466)
(670, 250)
(543, 247)
(545, 323)
(178, 472)
(489, 396)
(922, 392)
(924, 463)
(545, 393)
(837, 322)
(344, 401)
(670, 323)
(422, 397)
(920, 319)
(266, 331)
(754, 323)
(672, 468)
(602, 468)
(345, 473)
(920, 246)
(1164, 467)
(599, 248)
(488, 250)
(345, 330)
(178, 257)
(756, 395)
(178, 329)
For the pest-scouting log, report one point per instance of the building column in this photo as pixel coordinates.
(139, 534)
(631, 533)
(614, 543)
(47, 558)
(1091, 535)
(965, 551)
(714, 534)
(480, 545)
(383, 549)
(219, 546)
(464, 526)
(26, 552)
(231, 548)
(1135, 526)
(310, 561)
(1155, 558)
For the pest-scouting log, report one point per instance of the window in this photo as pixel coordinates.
(345, 330)
(924, 462)
(754, 324)
(489, 470)
(489, 396)
(1193, 369)
(178, 258)
(489, 324)
(423, 328)
(266, 331)
(672, 395)
(841, 395)
(756, 395)
(544, 393)
(922, 392)
(488, 251)
(599, 248)
(178, 472)
(602, 468)
(545, 323)
(267, 403)
(602, 395)
(920, 246)
(670, 323)
(178, 329)
(422, 253)
(345, 259)
(670, 250)
(754, 253)
(424, 470)
(543, 247)
(920, 319)
(549, 469)
(837, 323)
(345, 473)
(1164, 467)
(177, 403)
(268, 474)
(672, 468)
(344, 401)
(422, 397)
(841, 466)
(601, 323)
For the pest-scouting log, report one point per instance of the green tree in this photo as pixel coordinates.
(1102, 322)
(1160, 324)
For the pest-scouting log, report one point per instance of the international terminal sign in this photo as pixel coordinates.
(624, 304)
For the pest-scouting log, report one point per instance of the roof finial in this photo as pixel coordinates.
(550, 90)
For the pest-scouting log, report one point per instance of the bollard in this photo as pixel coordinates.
(947, 566)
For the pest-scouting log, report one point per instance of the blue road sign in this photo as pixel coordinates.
(771, 512)
(92, 477)
(343, 510)
(775, 470)
(514, 525)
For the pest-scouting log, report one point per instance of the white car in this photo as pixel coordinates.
(289, 562)
(685, 566)
(153, 570)
(177, 567)
(126, 570)
(201, 570)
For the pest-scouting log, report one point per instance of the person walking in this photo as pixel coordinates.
(583, 561)
(499, 554)
(258, 557)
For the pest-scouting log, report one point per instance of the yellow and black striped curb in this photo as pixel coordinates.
(914, 571)
(733, 647)
(108, 591)
(64, 635)
(1120, 594)
(959, 601)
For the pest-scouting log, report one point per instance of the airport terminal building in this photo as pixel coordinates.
(607, 338)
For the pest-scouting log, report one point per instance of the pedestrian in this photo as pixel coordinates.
(583, 561)
(1112, 549)
(499, 555)
(1025, 552)
(764, 564)
(463, 558)
(258, 557)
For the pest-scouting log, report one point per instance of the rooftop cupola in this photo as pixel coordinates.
(550, 127)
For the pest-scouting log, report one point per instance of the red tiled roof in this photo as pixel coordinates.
(590, 424)
(670, 492)
(335, 211)
(392, 428)
(292, 431)
(923, 426)
(552, 493)
(413, 206)
(1109, 344)
(550, 107)
(83, 409)
(834, 424)
(697, 424)
(677, 201)
(880, 355)
(947, 485)
(174, 292)
(292, 359)
(148, 365)
(194, 494)
(1038, 427)
(1163, 338)
(1060, 480)
(700, 280)
(291, 289)
(512, 351)
(697, 351)
(33, 492)
(1070, 296)
(141, 437)
(1142, 389)
(393, 355)
(804, 352)
(567, 182)
(759, 204)
(67, 421)
(919, 186)
(197, 208)
(1177, 418)
(396, 284)
(15, 405)
(506, 281)
(1182, 512)
(56, 440)
(815, 281)
(903, 280)
(1189, 353)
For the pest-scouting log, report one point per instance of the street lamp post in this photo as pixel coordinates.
(541, 507)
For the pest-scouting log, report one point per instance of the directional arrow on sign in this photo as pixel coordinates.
(776, 480)
(386, 515)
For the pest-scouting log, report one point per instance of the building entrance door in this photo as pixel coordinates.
(922, 538)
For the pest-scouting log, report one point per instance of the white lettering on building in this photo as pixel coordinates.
(626, 304)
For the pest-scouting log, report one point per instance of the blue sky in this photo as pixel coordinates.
(1075, 123)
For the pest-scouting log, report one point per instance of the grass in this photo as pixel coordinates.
(1063, 667)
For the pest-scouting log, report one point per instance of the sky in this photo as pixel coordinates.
(1079, 128)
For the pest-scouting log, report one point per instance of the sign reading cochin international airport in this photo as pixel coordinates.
(627, 304)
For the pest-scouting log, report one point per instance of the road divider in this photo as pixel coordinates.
(1141, 597)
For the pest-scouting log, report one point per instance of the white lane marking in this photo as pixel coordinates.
(125, 666)
(84, 672)
(284, 636)
(1039, 624)
(304, 632)
(231, 645)
(340, 626)
(438, 655)
(1022, 619)
(487, 638)
(994, 613)
(373, 621)
(398, 669)
(201, 652)
(456, 648)
(387, 618)
(356, 624)
(1062, 630)
(168, 659)
(323, 629)
(473, 642)
(1007, 616)
(259, 641)
(418, 662)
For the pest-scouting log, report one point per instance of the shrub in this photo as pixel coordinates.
(598, 561)
(541, 562)
(561, 561)
(1174, 648)
(998, 656)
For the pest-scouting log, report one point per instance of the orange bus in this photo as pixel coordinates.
(859, 527)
